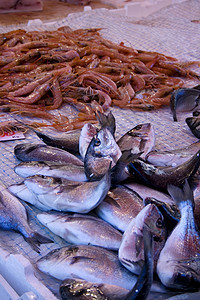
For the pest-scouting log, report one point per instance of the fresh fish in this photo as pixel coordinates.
(21, 191)
(131, 250)
(78, 289)
(178, 265)
(66, 195)
(160, 177)
(194, 125)
(173, 157)
(142, 288)
(68, 170)
(101, 152)
(13, 216)
(41, 152)
(91, 263)
(82, 229)
(81, 289)
(119, 207)
(184, 99)
(169, 211)
(141, 138)
(88, 131)
(145, 191)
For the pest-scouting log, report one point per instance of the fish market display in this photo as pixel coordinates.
(179, 261)
(131, 251)
(13, 216)
(83, 69)
(82, 229)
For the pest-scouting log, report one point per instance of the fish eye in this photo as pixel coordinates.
(159, 223)
(138, 127)
(97, 142)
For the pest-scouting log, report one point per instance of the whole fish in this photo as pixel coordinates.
(141, 138)
(66, 195)
(82, 229)
(91, 263)
(101, 152)
(119, 207)
(173, 157)
(160, 177)
(184, 99)
(178, 265)
(131, 250)
(80, 289)
(13, 216)
(42, 152)
(68, 170)
(194, 125)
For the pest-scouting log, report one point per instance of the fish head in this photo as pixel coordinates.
(154, 221)
(23, 169)
(40, 184)
(104, 145)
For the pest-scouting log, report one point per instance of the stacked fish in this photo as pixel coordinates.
(125, 217)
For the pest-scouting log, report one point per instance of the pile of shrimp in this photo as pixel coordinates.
(40, 71)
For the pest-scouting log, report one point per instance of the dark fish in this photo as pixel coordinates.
(194, 125)
(119, 207)
(131, 250)
(160, 177)
(140, 139)
(13, 216)
(178, 265)
(82, 229)
(184, 99)
(142, 288)
(173, 157)
(40, 152)
(68, 170)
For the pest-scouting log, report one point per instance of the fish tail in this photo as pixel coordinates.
(181, 195)
(106, 121)
(36, 239)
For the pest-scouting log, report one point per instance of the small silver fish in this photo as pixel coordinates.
(65, 195)
(42, 152)
(141, 138)
(179, 261)
(119, 207)
(68, 170)
(131, 251)
(13, 216)
(82, 229)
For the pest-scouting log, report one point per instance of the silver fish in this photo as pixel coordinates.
(68, 170)
(70, 196)
(119, 207)
(131, 251)
(82, 229)
(179, 261)
(141, 138)
(184, 99)
(42, 152)
(88, 131)
(13, 216)
(101, 152)
(173, 157)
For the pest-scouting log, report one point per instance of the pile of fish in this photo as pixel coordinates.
(128, 221)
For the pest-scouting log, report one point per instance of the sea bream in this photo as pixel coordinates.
(42, 152)
(131, 250)
(178, 265)
(82, 229)
(66, 195)
(68, 171)
(13, 216)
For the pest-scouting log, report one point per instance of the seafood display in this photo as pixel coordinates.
(42, 71)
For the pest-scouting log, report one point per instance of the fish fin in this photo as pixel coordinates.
(138, 243)
(106, 121)
(181, 194)
(36, 239)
